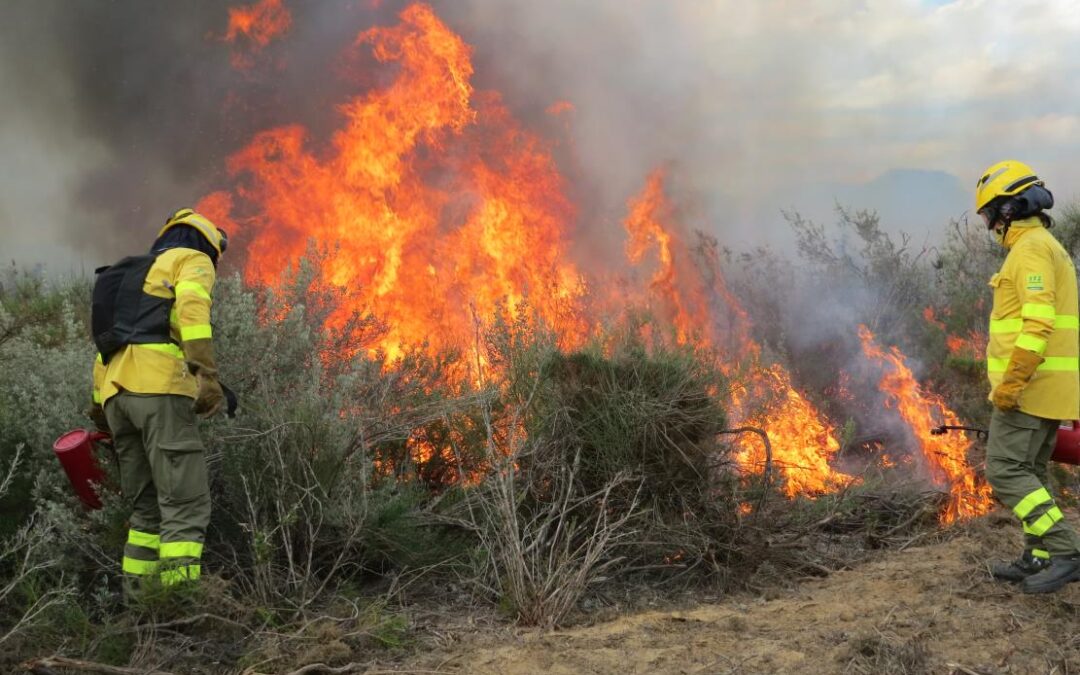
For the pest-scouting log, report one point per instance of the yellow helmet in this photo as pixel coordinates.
(1004, 179)
(201, 223)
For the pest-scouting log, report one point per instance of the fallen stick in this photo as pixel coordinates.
(323, 669)
(45, 664)
(957, 668)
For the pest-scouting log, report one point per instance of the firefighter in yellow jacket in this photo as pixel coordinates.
(155, 371)
(1032, 363)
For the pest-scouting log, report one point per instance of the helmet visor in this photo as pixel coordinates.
(989, 215)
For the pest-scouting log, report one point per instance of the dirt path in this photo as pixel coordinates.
(931, 609)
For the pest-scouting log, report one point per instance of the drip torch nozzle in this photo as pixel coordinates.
(943, 429)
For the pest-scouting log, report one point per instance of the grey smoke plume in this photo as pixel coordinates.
(117, 112)
(127, 110)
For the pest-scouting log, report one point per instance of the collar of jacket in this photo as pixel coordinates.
(1019, 228)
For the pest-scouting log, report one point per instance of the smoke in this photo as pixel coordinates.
(117, 113)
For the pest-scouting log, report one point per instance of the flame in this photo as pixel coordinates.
(931, 318)
(971, 347)
(685, 292)
(436, 206)
(438, 211)
(803, 441)
(945, 455)
(682, 296)
(258, 24)
(560, 108)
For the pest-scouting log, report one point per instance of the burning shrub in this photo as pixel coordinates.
(602, 463)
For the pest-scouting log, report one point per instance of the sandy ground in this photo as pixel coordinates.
(930, 609)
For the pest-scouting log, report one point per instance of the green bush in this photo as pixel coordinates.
(45, 360)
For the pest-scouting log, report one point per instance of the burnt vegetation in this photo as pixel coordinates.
(528, 484)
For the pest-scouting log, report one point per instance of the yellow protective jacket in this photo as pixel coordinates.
(181, 273)
(1035, 308)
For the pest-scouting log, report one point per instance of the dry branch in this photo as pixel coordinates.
(45, 665)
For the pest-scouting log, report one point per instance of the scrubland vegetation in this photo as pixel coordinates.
(349, 492)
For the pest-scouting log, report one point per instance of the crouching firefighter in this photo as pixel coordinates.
(154, 372)
(1032, 363)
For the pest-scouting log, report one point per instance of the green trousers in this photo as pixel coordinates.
(163, 472)
(1017, 454)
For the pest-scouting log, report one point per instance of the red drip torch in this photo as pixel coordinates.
(1066, 448)
(75, 450)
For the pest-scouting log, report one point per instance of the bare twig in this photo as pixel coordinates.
(181, 622)
(48, 662)
(767, 474)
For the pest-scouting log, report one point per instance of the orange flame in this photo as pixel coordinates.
(681, 295)
(560, 108)
(803, 442)
(259, 24)
(946, 455)
(931, 318)
(971, 347)
(438, 208)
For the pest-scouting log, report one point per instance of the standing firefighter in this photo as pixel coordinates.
(1033, 369)
(154, 372)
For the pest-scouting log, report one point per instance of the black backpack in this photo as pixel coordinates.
(121, 313)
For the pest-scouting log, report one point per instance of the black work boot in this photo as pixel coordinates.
(1062, 570)
(1019, 569)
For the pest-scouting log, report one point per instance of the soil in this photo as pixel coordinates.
(928, 609)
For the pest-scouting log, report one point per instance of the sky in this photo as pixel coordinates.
(116, 113)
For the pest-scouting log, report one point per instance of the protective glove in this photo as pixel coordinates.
(1022, 365)
(199, 355)
(97, 415)
(210, 400)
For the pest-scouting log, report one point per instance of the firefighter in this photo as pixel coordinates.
(1033, 369)
(155, 371)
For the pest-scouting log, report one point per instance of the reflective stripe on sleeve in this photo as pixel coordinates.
(197, 332)
(1028, 503)
(1031, 343)
(1037, 310)
(1041, 554)
(192, 287)
(96, 396)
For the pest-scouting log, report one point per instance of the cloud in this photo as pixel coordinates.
(752, 98)
(133, 109)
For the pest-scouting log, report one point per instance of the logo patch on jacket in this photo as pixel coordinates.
(1034, 282)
